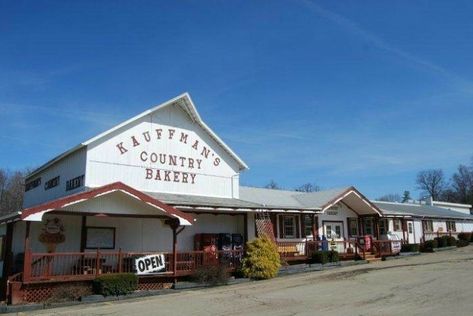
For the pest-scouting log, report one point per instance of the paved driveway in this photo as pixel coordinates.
(431, 284)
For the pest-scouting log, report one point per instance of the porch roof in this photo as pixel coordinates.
(318, 201)
(35, 213)
(203, 201)
(420, 210)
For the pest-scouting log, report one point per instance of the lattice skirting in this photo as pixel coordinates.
(150, 283)
(40, 292)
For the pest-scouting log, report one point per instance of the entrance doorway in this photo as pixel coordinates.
(410, 232)
(333, 230)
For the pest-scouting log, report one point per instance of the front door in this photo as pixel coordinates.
(333, 231)
(410, 232)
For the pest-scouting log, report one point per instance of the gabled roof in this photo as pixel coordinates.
(184, 101)
(318, 201)
(35, 213)
(419, 210)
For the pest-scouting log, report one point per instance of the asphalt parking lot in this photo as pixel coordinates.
(429, 284)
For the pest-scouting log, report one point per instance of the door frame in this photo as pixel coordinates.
(324, 231)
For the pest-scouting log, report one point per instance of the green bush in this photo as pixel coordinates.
(325, 256)
(410, 248)
(333, 256)
(115, 284)
(262, 260)
(428, 246)
(462, 243)
(212, 274)
(465, 236)
(320, 257)
(441, 241)
(451, 241)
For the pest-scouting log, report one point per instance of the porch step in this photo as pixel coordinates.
(372, 259)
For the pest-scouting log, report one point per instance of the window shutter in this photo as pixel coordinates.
(303, 225)
(298, 226)
(281, 228)
(274, 222)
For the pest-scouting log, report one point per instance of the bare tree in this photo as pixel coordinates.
(390, 198)
(308, 187)
(272, 185)
(431, 181)
(12, 190)
(462, 184)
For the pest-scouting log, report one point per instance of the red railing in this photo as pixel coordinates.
(88, 265)
(383, 248)
(290, 250)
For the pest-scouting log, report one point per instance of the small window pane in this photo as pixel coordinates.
(289, 227)
(338, 231)
(329, 231)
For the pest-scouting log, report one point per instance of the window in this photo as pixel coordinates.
(2, 247)
(289, 226)
(308, 222)
(338, 231)
(368, 221)
(383, 226)
(74, 183)
(32, 184)
(54, 182)
(451, 227)
(428, 226)
(100, 237)
(397, 226)
(410, 228)
(353, 227)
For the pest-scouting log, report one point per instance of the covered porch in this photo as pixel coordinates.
(103, 231)
(345, 221)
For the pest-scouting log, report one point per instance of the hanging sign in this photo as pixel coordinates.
(150, 264)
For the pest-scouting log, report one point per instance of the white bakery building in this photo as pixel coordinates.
(163, 182)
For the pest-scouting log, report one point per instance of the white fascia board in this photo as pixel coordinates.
(143, 114)
(37, 217)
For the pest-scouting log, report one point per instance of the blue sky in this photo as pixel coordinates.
(331, 92)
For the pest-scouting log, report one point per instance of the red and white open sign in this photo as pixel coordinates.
(150, 264)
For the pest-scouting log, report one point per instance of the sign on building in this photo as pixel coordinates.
(150, 264)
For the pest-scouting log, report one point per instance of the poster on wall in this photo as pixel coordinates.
(100, 238)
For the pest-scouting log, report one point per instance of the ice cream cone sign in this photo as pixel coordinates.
(52, 234)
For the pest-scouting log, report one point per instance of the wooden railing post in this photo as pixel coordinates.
(120, 260)
(27, 265)
(97, 262)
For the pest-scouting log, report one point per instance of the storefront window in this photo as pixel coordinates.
(308, 222)
(397, 225)
(383, 226)
(368, 221)
(289, 227)
(428, 226)
(451, 227)
(353, 227)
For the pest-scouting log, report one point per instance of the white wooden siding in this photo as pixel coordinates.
(105, 163)
(68, 168)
